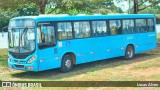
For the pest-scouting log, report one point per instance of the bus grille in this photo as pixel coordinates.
(21, 62)
(19, 66)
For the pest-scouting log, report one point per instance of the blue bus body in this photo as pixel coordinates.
(84, 49)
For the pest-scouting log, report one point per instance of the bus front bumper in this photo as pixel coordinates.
(28, 67)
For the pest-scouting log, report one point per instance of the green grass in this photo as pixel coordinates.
(158, 37)
(3, 58)
(146, 65)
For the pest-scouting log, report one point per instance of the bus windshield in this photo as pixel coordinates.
(21, 37)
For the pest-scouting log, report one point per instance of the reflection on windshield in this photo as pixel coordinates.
(21, 40)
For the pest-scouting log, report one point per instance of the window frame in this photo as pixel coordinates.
(52, 23)
(153, 25)
(108, 26)
(71, 30)
(90, 26)
(133, 27)
(107, 30)
(146, 25)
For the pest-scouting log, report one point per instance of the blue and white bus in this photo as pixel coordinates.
(38, 43)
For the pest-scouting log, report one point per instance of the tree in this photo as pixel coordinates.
(41, 4)
(5, 16)
(10, 4)
(140, 5)
(92, 6)
(27, 10)
(14, 4)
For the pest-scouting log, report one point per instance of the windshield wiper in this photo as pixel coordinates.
(25, 29)
(20, 39)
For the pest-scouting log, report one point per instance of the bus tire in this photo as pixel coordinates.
(67, 63)
(129, 53)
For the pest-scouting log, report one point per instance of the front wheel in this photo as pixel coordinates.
(129, 53)
(67, 63)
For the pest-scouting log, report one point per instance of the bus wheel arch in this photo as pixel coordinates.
(129, 52)
(68, 60)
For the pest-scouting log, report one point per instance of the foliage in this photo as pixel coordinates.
(22, 10)
(82, 6)
(12, 4)
(27, 10)
(70, 12)
(138, 6)
(5, 16)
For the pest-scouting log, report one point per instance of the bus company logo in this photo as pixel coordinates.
(18, 61)
(6, 84)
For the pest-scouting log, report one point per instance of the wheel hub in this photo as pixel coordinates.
(68, 63)
(130, 52)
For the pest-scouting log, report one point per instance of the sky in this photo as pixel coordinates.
(123, 5)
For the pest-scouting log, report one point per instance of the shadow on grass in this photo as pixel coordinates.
(55, 74)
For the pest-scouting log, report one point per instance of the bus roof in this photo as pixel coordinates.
(84, 17)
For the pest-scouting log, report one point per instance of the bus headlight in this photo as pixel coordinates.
(32, 59)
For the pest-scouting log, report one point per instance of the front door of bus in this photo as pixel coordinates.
(47, 53)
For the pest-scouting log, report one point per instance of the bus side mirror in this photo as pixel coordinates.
(44, 30)
(3, 30)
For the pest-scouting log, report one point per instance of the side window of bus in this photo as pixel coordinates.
(115, 27)
(99, 28)
(128, 26)
(150, 25)
(46, 35)
(64, 30)
(82, 29)
(141, 25)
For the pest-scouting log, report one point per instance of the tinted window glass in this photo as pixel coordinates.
(150, 25)
(128, 26)
(115, 27)
(46, 35)
(99, 28)
(141, 25)
(64, 30)
(82, 29)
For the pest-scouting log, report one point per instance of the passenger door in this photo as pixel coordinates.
(47, 54)
(151, 34)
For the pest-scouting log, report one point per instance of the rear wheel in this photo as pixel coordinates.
(129, 53)
(67, 63)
